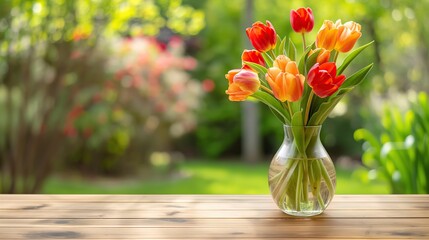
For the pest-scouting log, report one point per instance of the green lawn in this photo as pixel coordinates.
(201, 177)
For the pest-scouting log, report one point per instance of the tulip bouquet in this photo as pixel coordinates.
(301, 90)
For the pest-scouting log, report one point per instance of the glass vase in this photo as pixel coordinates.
(302, 175)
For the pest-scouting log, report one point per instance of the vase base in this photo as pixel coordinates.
(303, 213)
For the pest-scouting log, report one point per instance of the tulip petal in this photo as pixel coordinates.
(330, 68)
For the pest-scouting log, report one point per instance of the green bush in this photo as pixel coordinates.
(399, 153)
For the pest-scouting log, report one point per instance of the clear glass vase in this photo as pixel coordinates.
(302, 176)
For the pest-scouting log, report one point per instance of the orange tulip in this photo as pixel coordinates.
(327, 36)
(230, 75)
(302, 20)
(341, 37)
(263, 37)
(284, 79)
(252, 56)
(281, 62)
(323, 56)
(348, 34)
(244, 84)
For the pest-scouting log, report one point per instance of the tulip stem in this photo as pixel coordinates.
(303, 41)
(267, 90)
(273, 55)
(290, 108)
(336, 56)
(307, 109)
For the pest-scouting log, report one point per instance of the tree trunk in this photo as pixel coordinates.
(251, 145)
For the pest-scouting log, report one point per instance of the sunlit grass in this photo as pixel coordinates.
(201, 177)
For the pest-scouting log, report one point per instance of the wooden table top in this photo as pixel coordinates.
(208, 216)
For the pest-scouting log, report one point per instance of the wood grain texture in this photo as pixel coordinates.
(208, 217)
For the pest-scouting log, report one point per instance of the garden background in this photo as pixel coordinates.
(128, 96)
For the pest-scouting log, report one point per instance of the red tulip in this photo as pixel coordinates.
(302, 20)
(263, 37)
(244, 84)
(252, 56)
(323, 79)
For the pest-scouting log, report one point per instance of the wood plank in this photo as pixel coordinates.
(194, 223)
(208, 217)
(209, 213)
(63, 205)
(133, 197)
(391, 232)
(168, 198)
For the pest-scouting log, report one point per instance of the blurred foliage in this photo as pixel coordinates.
(151, 94)
(399, 152)
(54, 67)
(219, 53)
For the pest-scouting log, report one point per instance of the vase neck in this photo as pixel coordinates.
(303, 142)
(308, 131)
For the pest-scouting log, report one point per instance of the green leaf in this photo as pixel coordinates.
(305, 96)
(291, 50)
(333, 53)
(278, 115)
(298, 131)
(303, 60)
(282, 50)
(281, 46)
(257, 67)
(312, 59)
(315, 104)
(278, 45)
(352, 56)
(267, 59)
(297, 119)
(295, 106)
(274, 104)
(325, 108)
(357, 77)
(318, 101)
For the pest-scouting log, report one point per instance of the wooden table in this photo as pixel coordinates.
(208, 216)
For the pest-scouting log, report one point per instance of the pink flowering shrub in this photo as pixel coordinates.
(155, 83)
(148, 101)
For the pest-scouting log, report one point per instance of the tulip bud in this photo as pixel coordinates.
(244, 84)
(263, 37)
(230, 75)
(252, 56)
(323, 56)
(302, 20)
